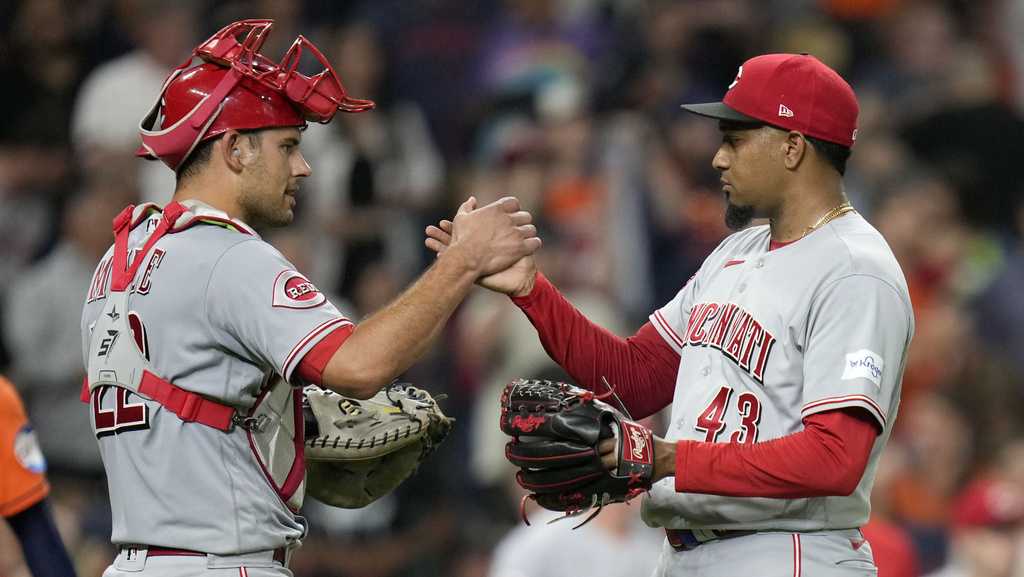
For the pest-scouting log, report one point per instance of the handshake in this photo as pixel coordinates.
(496, 242)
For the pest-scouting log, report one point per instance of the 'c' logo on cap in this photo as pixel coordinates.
(739, 74)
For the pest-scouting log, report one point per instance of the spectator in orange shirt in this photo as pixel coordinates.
(23, 490)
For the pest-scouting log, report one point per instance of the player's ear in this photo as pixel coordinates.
(794, 149)
(238, 150)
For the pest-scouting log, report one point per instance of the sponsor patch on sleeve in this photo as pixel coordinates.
(864, 364)
(294, 291)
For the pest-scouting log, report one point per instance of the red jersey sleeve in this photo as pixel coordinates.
(642, 368)
(311, 367)
(827, 458)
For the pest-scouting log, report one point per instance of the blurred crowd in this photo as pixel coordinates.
(572, 106)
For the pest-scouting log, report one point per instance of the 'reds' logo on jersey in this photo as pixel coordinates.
(294, 291)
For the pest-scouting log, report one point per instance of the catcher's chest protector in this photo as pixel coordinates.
(115, 359)
(274, 427)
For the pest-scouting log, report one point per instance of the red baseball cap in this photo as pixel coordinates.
(988, 503)
(792, 92)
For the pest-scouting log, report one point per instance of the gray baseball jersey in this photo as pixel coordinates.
(768, 337)
(218, 312)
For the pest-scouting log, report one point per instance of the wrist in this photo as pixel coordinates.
(664, 459)
(527, 287)
(458, 257)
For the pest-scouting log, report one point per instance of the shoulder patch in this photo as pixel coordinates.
(27, 452)
(294, 291)
(864, 364)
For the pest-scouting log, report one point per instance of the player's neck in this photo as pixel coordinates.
(803, 211)
(208, 193)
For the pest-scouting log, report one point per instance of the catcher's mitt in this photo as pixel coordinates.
(557, 428)
(359, 450)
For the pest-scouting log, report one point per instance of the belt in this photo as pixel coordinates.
(689, 539)
(280, 553)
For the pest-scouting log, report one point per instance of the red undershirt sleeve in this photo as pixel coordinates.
(827, 458)
(311, 367)
(642, 368)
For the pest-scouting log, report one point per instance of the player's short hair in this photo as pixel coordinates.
(195, 161)
(835, 154)
(199, 158)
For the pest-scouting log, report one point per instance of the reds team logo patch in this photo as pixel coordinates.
(294, 291)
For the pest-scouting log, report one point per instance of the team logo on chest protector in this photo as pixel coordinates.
(733, 331)
(294, 291)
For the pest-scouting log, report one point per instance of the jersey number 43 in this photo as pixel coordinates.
(711, 421)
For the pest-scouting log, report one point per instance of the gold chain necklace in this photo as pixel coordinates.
(844, 208)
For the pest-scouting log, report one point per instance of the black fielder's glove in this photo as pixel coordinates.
(556, 428)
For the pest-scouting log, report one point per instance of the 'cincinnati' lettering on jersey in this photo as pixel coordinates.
(733, 331)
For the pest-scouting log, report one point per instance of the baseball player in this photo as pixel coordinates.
(196, 333)
(24, 489)
(782, 357)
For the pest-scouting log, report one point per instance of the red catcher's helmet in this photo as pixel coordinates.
(236, 87)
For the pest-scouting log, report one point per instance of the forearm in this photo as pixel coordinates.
(642, 368)
(827, 458)
(387, 343)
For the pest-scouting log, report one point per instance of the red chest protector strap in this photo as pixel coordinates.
(188, 406)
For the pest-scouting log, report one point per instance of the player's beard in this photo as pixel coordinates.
(264, 206)
(738, 217)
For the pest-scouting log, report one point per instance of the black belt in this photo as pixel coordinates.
(279, 553)
(688, 539)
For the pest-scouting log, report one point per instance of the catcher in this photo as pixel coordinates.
(199, 337)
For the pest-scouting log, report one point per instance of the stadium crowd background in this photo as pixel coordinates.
(573, 107)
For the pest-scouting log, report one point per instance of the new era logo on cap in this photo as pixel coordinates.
(827, 105)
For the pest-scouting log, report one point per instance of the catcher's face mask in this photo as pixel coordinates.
(236, 87)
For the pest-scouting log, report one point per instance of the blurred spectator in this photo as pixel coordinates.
(891, 544)
(616, 543)
(686, 202)
(530, 42)
(1007, 19)
(118, 94)
(407, 533)
(43, 67)
(1000, 316)
(937, 440)
(912, 70)
(988, 522)
(43, 307)
(859, 9)
(28, 200)
(957, 141)
(377, 177)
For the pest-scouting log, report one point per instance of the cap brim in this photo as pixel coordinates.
(720, 111)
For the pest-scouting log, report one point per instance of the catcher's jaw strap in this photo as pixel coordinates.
(188, 406)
